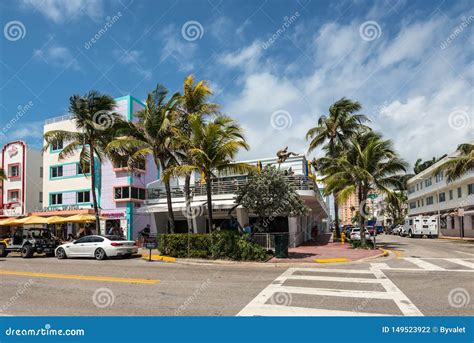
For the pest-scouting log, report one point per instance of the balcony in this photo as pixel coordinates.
(58, 119)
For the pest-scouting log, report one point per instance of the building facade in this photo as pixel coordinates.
(21, 192)
(452, 203)
(225, 209)
(120, 193)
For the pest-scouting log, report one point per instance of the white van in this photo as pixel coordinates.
(421, 225)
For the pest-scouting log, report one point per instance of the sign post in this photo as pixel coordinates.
(150, 244)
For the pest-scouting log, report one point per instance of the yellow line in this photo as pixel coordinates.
(160, 258)
(397, 253)
(80, 277)
(330, 260)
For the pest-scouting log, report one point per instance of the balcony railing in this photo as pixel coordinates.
(229, 186)
(58, 119)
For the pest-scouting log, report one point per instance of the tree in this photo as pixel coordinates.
(420, 165)
(94, 118)
(370, 164)
(3, 175)
(269, 194)
(194, 101)
(460, 164)
(334, 132)
(396, 207)
(212, 146)
(151, 135)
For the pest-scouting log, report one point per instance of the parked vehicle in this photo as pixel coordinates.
(379, 230)
(355, 234)
(396, 230)
(99, 247)
(420, 226)
(29, 241)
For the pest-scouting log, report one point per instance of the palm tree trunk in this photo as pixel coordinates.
(336, 217)
(170, 206)
(93, 186)
(362, 211)
(209, 200)
(187, 199)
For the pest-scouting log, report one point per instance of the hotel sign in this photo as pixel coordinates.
(12, 151)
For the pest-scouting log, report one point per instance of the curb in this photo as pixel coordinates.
(159, 258)
(464, 239)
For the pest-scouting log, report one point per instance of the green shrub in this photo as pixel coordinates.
(218, 245)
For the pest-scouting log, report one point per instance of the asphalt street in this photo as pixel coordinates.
(420, 277)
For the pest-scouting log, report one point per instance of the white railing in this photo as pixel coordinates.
(58, 119)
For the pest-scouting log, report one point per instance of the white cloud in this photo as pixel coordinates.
(60, 11)
(134, 59)
(247, 55)
(57, 56)
(176, 49)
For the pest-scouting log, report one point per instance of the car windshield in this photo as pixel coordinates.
(355, 230)
(115, 238)
(40, 233)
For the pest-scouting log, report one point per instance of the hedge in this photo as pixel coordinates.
(216, 245)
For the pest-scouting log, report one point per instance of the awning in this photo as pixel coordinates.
(181, 207)
(7, 222)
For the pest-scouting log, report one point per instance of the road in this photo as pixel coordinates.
(420, 277)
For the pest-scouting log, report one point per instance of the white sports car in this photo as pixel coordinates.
(99, 247)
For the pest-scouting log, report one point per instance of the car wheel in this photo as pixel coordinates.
(100, 254)
(127, 255)
(410, 234)
(3, 250)
(61, 254)
(27, 251)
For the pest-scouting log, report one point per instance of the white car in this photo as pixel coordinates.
(99, 247)
(355, 234)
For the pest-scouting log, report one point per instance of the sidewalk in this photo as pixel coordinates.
(332, 252)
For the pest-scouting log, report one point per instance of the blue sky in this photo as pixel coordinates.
(275, 66)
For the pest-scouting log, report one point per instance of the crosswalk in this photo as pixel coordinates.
(317, 285)
(463, 265)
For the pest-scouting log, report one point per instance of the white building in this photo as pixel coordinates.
(223, 198)
(21, 192)
(452, 203)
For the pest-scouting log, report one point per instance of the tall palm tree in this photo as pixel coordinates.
(194, 101)
(94, 119)
(151, 135)
(460, 164)
(212, 146)
(370, 164)
(334, 132)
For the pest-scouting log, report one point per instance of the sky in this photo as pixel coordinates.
(274, 66)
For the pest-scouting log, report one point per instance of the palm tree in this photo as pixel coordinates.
(460, 164)
(212, 146)
(370, 164)
(151, 135)
(3, 175)
(334, 132)
(194, 101)
(94, 119)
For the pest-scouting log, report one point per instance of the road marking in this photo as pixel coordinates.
(332, 260)
(259, 306)
(461, 262)
(80, 277)
(423, 264)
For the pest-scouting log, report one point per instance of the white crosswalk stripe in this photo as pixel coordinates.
(264, 305)
(430, 264)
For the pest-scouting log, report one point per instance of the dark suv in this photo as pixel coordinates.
(29, 241)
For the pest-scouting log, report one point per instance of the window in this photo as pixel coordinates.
(14, 170)
(413, 204)
(418, 203)
(86, 239)
(422, 202)
(417, 185)
(56, 172)
(41, 172)
(56, 199)
(459, 192)
(128, 192)
(429, 201)
(442, 197)
(80, 170)
(411, 189)
(451, 194)
(13, 195)
(139, 165)
(41, 197)
(470, 189)
(57, 146)
(428, 182)
(83, 197)
(95, 239)
(439, 177)
(421, 185)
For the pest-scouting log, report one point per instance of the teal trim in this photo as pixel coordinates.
(51, 178)
(130, 221)
(138, 101)
(69, 191)
(130, 109)
(51, 151)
